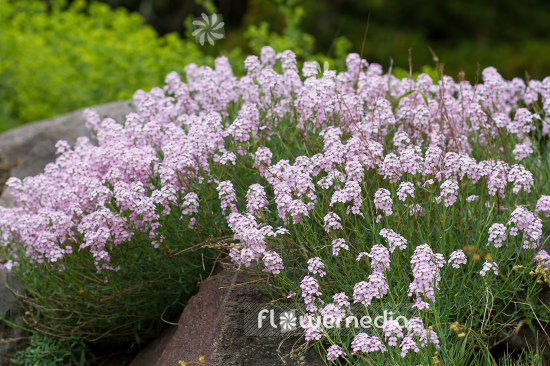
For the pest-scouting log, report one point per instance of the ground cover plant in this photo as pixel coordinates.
(350, 192)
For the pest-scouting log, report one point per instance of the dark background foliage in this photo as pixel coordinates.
(60, 55)
(510, 35)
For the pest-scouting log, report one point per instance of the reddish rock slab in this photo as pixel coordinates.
(212, 326)
(200, 323)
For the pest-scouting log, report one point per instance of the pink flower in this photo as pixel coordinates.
(457, 258)
(273, 262)
(472, 198)
(333, 312)
(489, 266)
(416, 331)
(310, 289)
(497, 234)
(334, 352)
(316, 266)
(190, 204)
(227, 196)
(392, 330)
(415, 209)
(425, 265)
(342, 300)
(522, 150)
(408, 344)
(405, 189)
(380, 258)
(543, 205)
(350, 192)
(522, 123)
(314, 333)
(383, 201)
(367, 344)
(543, 258)
(449, 192)
(364, 292)
(521, 177)
(338, 244)
(332, 222)
(394, 240)
(523, 219)
(256, 199)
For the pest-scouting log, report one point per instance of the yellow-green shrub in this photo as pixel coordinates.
(54, 60)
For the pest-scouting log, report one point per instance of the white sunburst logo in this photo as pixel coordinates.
(287, 321)
(208, 28)
(318, 66)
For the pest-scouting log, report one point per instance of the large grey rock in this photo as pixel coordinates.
(6, 198)
(212, 326)
(33, 144)
(30, 148)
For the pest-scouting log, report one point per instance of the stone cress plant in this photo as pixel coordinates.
(340, 189)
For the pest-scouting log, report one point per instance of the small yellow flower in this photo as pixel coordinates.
(435, 358)
(461, 335)
(182, 363)
(455, 327)
(488, 256)
(476, 257)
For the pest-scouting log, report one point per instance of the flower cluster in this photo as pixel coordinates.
(383, 201)
(315, 266)
(273, 262)
(425, 265)
(449, 192)
(375, 287)
(543, 205)
(227, 196)
(343, 137)
(457, 258)
(497, 234)
(338, 244)
(310, 289)
(366, 344)
(334, 352)
(405, 189)
(256, 199)
(332, 222)
(394, 240)
(417, 333)
(487, 266)
(523, 219)
(543, 258)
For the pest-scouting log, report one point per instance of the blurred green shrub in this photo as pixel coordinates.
(57, 58)
(401, 73)
(292, 37)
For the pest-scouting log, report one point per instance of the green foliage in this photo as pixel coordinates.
(482, 306)
(129, 304)
(527, 357)
(402, 73)
(292, 37)
(54, 60)
(52, 351)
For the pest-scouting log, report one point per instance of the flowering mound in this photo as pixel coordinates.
(358, 193)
